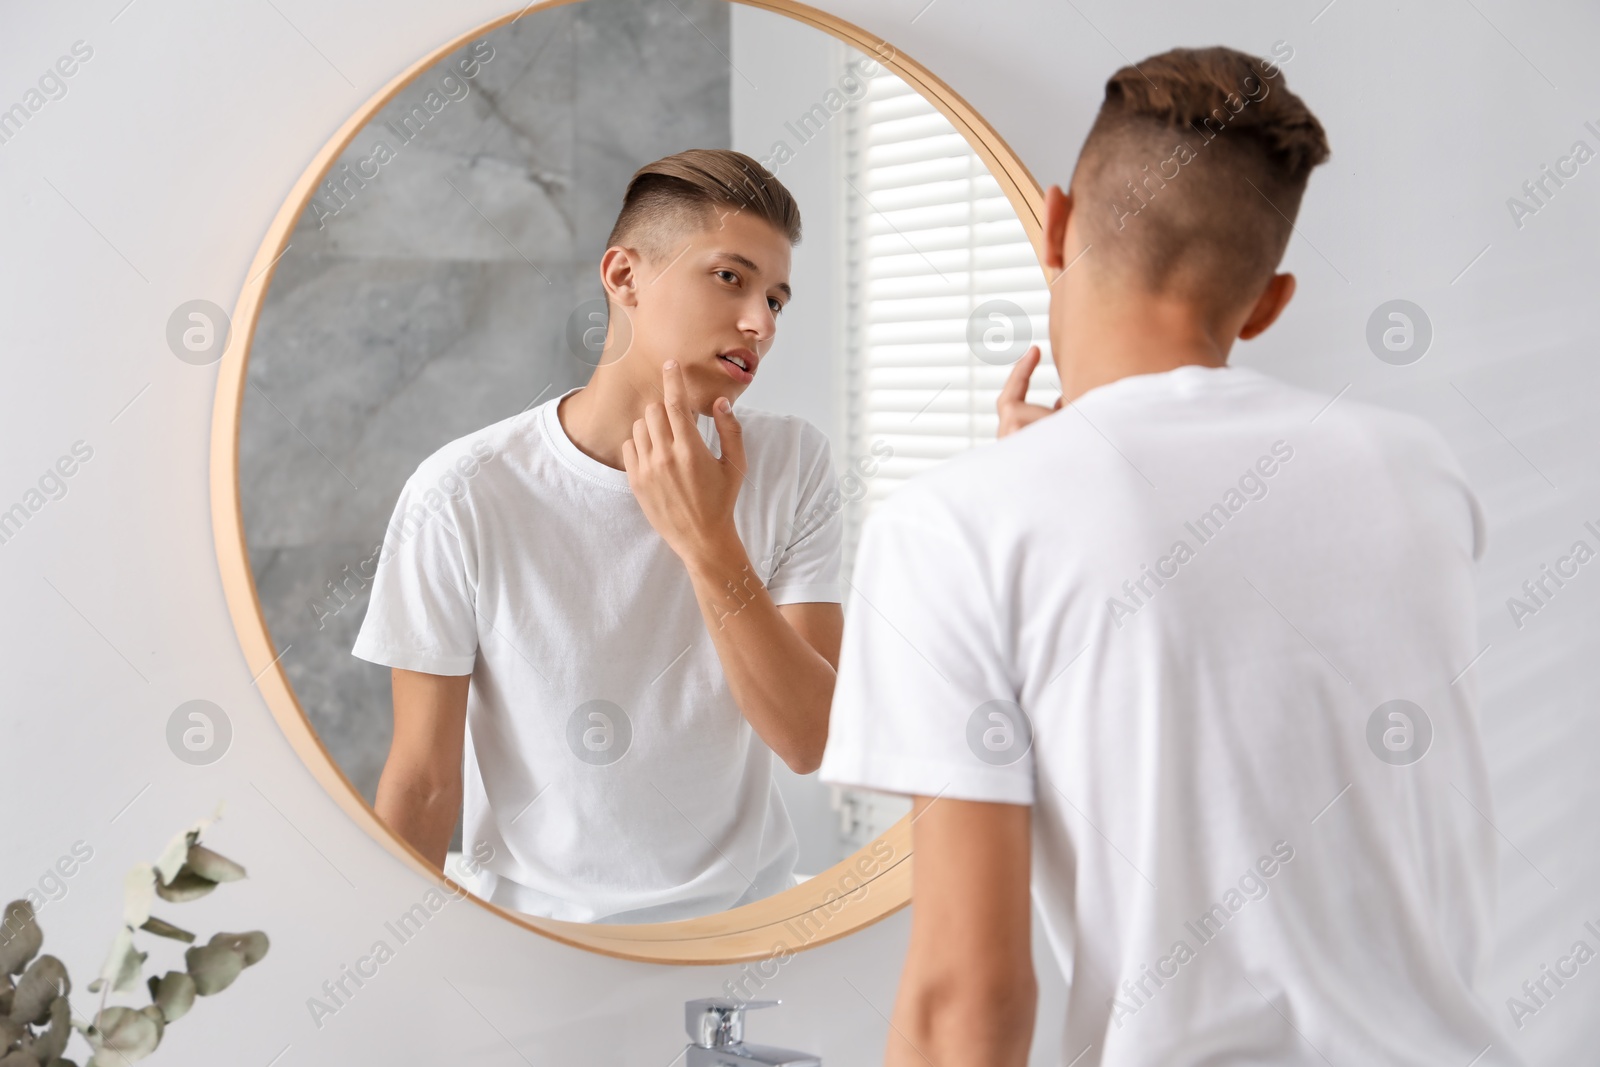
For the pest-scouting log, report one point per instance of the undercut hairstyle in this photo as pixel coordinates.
(690, 191)
(1190, 179)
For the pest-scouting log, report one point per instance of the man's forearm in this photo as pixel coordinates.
(425, 816)
(957, 1021)
(783, 686)
(968, 992)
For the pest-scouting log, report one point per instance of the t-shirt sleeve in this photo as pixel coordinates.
(422, 615)
(810, 543)
(1476, 524)
(1480, 525)
(923, 703)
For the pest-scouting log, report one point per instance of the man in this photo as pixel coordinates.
(1176, 652)
(607, 630)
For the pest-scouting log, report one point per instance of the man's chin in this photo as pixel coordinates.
(702, 396)
(706, 408)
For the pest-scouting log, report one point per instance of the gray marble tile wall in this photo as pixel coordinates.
(426, 293)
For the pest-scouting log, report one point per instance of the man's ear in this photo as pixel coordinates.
(1269, 305)
(1057, 210)
(619, 276)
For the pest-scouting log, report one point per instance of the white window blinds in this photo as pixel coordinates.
(935, 255)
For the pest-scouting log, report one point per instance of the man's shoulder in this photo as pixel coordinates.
(777, 440)
(1337, 409)
(464, 456)
(777, 426)
(1069, 454)
(1390, 436)
(968, 485)
(995, 469)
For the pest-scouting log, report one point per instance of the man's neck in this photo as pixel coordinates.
(1118, 340)
(599, 417)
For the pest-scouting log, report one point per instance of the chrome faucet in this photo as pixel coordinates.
(716, 1030)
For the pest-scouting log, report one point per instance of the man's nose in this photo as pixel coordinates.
(762, 323)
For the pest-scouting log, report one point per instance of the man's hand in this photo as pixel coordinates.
(1015, 411)
(781, 679)
(687, 493)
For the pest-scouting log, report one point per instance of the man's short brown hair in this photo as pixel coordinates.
(689, 191)
(1191, 176)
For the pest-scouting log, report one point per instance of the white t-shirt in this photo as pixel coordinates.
(1227, 870)
(606, 761)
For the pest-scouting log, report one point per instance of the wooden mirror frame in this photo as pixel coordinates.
(868, 886)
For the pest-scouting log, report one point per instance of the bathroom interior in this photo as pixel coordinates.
(403, 253)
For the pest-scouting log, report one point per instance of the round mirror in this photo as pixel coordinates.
(424, 304)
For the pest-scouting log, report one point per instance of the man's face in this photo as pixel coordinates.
(716, 294)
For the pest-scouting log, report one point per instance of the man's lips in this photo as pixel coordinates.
(745, 374)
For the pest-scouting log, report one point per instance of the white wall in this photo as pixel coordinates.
(151, 182)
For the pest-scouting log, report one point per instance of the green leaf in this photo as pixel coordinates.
(20, 937)
(208, 864)
(185, 885)
(153, 1013)
(138, 893)
(174, 994)
(54, 1040)
(132, 967)
(123, 1036)
(213, 966)
(121, 945)
(123, 965)
(43, 981)
(252, 945)
(165, 929)
(177, 850)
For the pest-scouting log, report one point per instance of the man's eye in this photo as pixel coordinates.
(777, 305)
(728, 272)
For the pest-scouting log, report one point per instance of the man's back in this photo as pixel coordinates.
(1205, 588)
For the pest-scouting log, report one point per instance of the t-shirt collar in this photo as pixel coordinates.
(585, 465)
(1186, 380)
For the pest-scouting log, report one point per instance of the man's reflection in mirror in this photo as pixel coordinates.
(608, 614)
